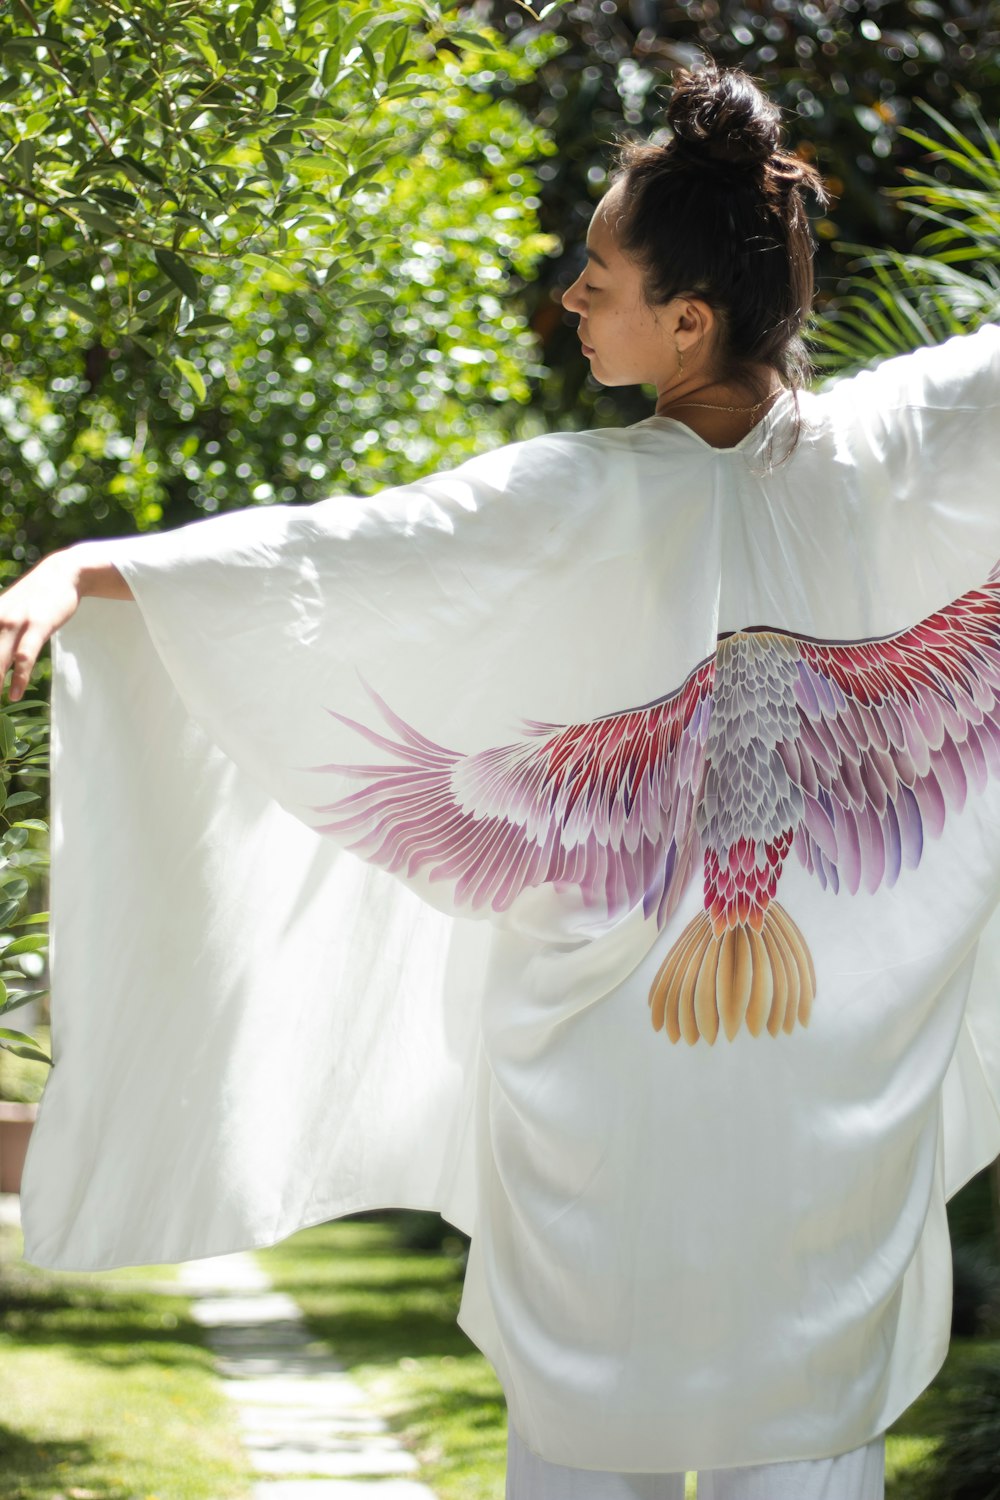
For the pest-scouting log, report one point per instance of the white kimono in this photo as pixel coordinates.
(711, 750)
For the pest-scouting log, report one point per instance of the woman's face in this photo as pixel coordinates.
(627, 341)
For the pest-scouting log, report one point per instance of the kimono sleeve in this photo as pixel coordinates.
(254, 1030)
(927, 425)
(277, 626)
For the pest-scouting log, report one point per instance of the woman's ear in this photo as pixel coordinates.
(693, 324)
(695, 320)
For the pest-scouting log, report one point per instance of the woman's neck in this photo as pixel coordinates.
(722, 412)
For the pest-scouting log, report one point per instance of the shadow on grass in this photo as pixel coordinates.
(473, 1406)
(374, 1299)
(94, 1322)
(37, 1471)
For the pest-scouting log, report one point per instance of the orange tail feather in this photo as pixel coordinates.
(711, 981)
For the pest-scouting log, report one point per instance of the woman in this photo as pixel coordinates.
(699, 1104)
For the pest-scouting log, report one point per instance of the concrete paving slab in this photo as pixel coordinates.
(341, 1489)
(327, 1391)
(293, 1421)
(263, 1307)
(347, 1464)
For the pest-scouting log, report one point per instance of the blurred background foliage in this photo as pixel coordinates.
(847, 73)
(949, 282)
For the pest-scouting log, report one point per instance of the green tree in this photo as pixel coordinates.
(253, 253)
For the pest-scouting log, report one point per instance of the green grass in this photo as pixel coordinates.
(107, 1390)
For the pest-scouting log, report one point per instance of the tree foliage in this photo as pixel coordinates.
(23, 856)
(252, 252)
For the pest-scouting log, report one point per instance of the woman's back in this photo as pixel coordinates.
(618, 692)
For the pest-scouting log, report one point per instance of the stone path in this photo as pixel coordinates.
(309, 1429)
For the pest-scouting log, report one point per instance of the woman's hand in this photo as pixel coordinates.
(33, 609)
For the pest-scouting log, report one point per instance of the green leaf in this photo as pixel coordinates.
(210, 55)
(268, 26)
(8, 910)
(136, 167)
(33, 825)
(395, 47)
(20, 799)
(24, 154)
(17, 998)
(357, 178)
(472, 39)
(27, 1047)
(74, 305)
(26, 945)
(7, 737)
(329, 64)
(276, 274)
(15, 890)
(192, 375)
(9, 86)
(96, 219)
(205, 322)
(100, 63)
(404, 90)
(115, 198)
(34, 125)
(179, 271)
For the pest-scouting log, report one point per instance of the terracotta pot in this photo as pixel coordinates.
(16, 1121)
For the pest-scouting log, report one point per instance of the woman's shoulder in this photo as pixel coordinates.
(582, 455)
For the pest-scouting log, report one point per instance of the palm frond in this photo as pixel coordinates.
(950, 283)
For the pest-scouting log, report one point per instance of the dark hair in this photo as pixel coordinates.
(718, 213)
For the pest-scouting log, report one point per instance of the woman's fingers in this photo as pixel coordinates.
(26, 650)
(10, 636)
(30, 611)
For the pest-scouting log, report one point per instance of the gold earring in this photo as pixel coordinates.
(680, 358)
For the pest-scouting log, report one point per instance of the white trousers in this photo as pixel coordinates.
(858, 1475)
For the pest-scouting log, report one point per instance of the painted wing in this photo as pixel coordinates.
(608, 806)
(892, 735)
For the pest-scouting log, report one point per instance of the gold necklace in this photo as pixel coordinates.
(710, 406)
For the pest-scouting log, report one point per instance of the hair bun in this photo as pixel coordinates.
(720, 114)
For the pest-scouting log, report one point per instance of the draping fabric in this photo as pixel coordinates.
(858, 1475)
(598, 843)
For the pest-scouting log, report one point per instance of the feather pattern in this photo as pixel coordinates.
(607, 805)
(855, 752)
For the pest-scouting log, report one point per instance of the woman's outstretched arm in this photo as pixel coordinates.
(32, 609)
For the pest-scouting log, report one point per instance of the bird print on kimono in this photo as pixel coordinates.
(850, 753)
